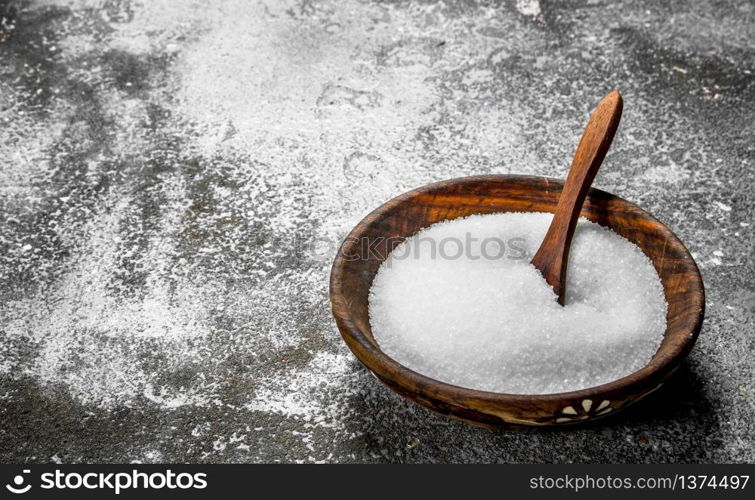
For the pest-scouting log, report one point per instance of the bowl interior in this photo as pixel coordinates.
(372, 239)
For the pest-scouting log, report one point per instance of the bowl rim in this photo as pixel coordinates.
(388, 368)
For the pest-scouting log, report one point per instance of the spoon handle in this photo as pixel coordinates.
(553, 255)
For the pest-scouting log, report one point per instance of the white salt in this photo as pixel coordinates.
(459, 302)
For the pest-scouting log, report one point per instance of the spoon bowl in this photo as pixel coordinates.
(371, 241)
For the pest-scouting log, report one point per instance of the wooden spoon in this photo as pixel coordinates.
(553, 255)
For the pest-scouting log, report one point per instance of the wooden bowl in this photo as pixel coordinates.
(371, 240)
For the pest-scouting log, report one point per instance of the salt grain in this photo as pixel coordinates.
(484, 318)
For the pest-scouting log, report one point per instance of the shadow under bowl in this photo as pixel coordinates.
(370, 242)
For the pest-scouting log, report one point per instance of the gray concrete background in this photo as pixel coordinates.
(166, 166)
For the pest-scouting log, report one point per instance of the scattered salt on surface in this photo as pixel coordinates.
(459, 302)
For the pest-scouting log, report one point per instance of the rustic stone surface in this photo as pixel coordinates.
(176, 177)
